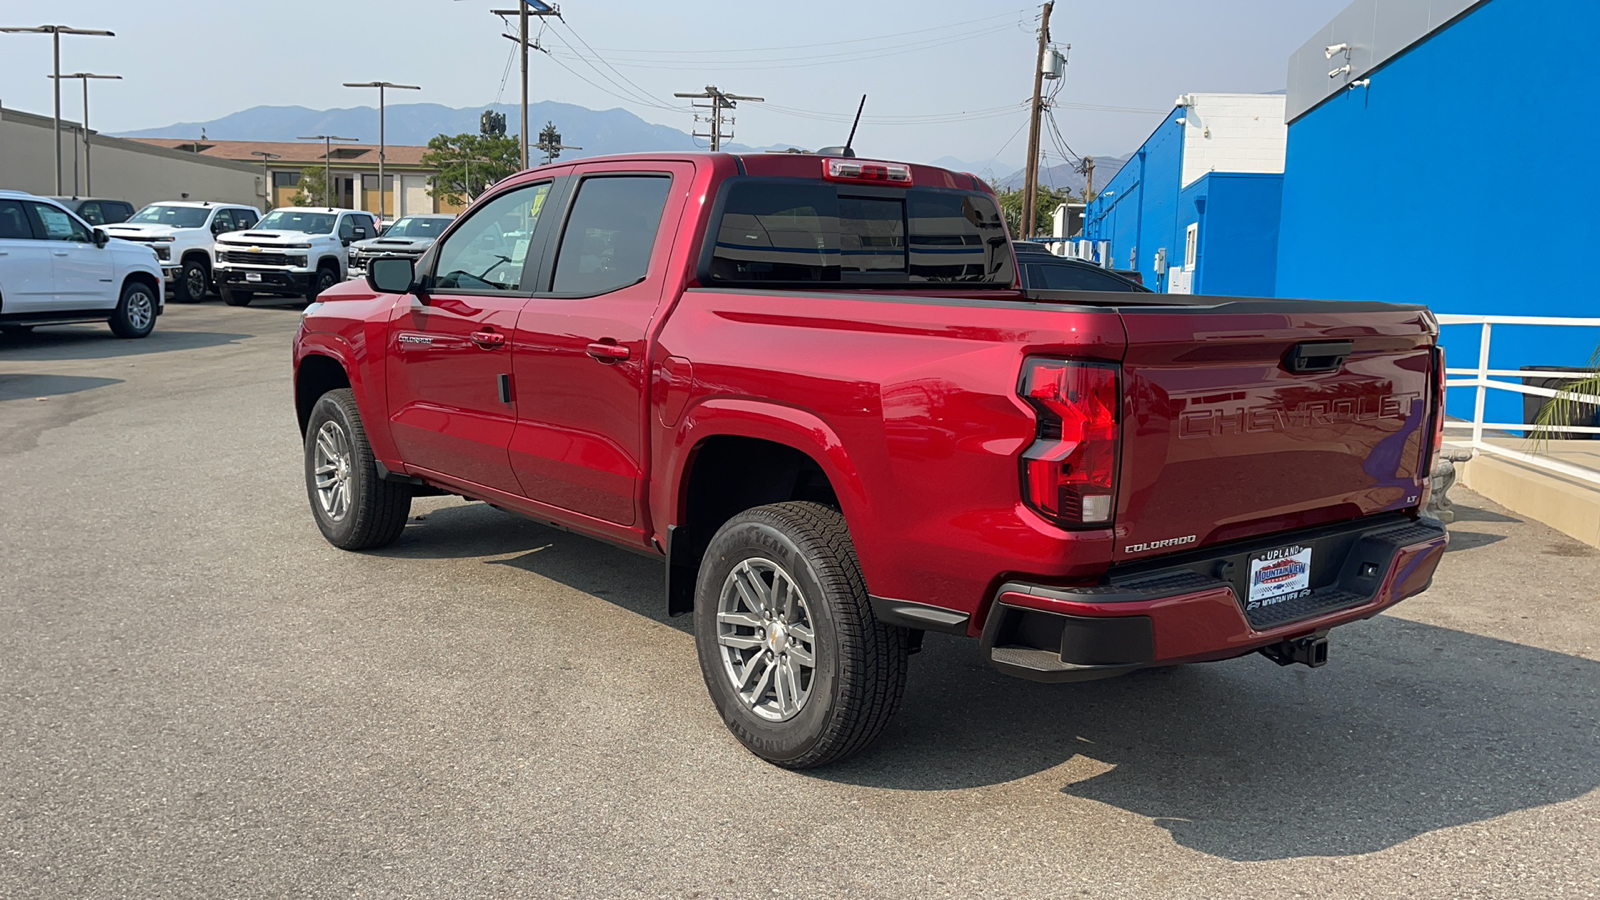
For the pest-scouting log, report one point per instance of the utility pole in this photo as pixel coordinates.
(525, 9)
(1030, 178)
(56, 31)
(1086, 167)
(720, 100)
(266, 176)
(327, 162)
(381, 85)
(88, 178)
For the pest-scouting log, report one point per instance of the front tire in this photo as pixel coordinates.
(135, 316)
(798, 666)
(354, 508)
(325, 278)
(192, 282)
(236, 298)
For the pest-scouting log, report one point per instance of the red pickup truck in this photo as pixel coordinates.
(813, 386)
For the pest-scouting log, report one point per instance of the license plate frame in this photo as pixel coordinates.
(254, 277)
(1278, 575)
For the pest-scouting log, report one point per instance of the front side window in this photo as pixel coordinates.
(59, 225)
(298, 220)
(175, 216)
(804, 231)
(91, 213)
(486, 254)
(223, 223)
(244, 218)
(610, 233)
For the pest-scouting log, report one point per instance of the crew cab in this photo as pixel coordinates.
(292, 252)
(813, 387)
(56, 269)
(183, 233)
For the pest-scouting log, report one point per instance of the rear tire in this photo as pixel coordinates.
(781, 585)
(353, 507)
(236, 298)
(135, 316)
(192, 282)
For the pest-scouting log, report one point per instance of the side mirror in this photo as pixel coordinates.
(100, 237)
(219, 227)
(391, 275)
(360, 234)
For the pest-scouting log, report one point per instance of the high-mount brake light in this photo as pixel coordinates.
(866, 171)
(1069, 474)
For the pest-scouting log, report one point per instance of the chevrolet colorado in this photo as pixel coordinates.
(813, 386)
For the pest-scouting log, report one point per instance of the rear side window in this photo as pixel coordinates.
(14, 222)
(775, 231)
(610, 233)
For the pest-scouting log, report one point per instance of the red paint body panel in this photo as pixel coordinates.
(907, 401)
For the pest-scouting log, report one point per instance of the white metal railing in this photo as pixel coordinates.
(1484, 380)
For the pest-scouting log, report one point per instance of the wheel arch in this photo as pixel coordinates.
(317, 374)
(201, 253)
(145, 278)
(740, 454)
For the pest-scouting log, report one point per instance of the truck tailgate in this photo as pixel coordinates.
(1250, 417)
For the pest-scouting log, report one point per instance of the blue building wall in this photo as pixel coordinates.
(1145, 208)
(1408, 190)
(1238, 235)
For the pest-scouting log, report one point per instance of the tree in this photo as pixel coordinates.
(312, 190)
(468, 163)
(1046, 199)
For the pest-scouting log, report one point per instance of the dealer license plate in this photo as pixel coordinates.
(252, 276)
(1279, 575)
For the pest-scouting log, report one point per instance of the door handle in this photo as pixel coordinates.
(607, 352)
(488, 340)
(58, 253)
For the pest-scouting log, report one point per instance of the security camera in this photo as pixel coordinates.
(1181, 120)
(1336, 48)
(1365, 82)
(1342, 70)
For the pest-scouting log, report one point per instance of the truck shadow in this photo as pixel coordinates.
(1409, 729)
(26, 384)
(97, 342)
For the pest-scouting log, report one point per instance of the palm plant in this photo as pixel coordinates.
(1575, 404)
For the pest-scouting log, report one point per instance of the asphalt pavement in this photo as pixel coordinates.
(199, 697)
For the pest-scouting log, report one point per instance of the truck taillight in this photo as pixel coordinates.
(1069, 474)
(866, 170)
(1438, 412)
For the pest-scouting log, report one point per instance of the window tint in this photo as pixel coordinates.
(14, 222)
(244, 218)
(610, 233)
(90, 212)
(1068, 277)
(486, 254)
(802, 231)
(115, 211)
(60, 225)
(222, 222)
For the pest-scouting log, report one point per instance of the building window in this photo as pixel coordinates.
(286, 179)
(1191, 245)
(370, 183)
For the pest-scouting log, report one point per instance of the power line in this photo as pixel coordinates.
(719, 101)
(801, 62)
(630, 87)
(1005, 15)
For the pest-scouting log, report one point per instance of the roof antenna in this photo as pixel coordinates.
(845, 150)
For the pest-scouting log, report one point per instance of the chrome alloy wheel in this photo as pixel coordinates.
(141, 309)
(768, 640)
(333, 470)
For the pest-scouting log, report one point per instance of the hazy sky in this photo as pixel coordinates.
(927, 61)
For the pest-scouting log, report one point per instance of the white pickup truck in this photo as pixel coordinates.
(293, 251)
(183, 232)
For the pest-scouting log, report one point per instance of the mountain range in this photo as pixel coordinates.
(592, 132)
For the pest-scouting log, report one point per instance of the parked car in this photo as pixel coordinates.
(56, 269)
(293, 251)
(97, 210)
(407, 236)
(811, 386)
(1038, 268)
(183, 233)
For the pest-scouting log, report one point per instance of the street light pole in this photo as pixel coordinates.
(88, 176)
(266, 176)
(327, 161)
(56, 31)
(381, 85)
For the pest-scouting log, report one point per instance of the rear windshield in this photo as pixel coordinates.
(776, 231)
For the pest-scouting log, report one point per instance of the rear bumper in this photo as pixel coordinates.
(1189, 610)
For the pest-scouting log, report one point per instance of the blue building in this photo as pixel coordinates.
(1439, 152)
(1196, 208)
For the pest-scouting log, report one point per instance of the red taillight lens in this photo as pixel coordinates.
(1069, 474)
(1438, 413)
